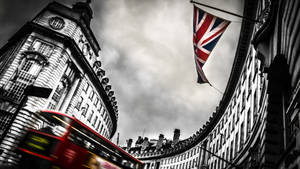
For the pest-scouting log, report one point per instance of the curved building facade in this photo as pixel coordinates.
(256, 125)
(56, 50)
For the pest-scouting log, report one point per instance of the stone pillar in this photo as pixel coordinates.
(71, 93)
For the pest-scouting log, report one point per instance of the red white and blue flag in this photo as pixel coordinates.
(207, 31)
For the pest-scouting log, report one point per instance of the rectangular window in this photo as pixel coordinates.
(95, 121)
(244, 75)
(96, 101)
(91, 96)
(107, 120)
(232, 126)
(249, 84)
(5, 119)
(236, 142)
(99, 123)
(42, 47)
(248, 121)
(249, 61)
(223, 156)
(243, 100)
(86, 87)
(225, 132)
(227, 153)
(84, 110)
(79, 102)
(242, 135)
(231, 150)
(214, 133)
(256, 67)
(217, 145)
(105, 116)
(229, 127)
(101, 128)
(102, 111)
(90, 116)
(233, 100)
(222, 123)
(255, 105)
(233, 118)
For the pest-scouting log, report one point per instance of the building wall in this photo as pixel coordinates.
(62, 59)
(259, 127)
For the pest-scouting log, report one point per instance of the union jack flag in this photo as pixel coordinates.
(207, 31)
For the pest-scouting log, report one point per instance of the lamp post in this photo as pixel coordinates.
(29, 91)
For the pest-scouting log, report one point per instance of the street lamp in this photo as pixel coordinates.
(29, 91)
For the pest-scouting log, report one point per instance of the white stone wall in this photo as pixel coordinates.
(49, 76)
(235, 120)
(187, 160)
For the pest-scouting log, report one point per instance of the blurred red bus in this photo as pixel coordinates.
(63, 142)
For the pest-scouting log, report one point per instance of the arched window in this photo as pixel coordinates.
(29, 68)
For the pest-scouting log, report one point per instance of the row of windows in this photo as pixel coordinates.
(42, 47)
(216, 144)
(234, 113)
(94, 98)
(186, 165)
(235, 98)
(96, 110)
(183, 156)
(93, 118)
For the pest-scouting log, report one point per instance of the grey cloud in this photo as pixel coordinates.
(147, 53)
(154, 73)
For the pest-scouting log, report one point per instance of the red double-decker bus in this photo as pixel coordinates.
(63, 142)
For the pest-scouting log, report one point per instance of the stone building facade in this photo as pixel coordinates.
(256, 125)
(58, 50)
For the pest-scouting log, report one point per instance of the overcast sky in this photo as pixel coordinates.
(147, 52)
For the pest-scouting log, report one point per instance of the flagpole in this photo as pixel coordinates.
(234, 14)
(216, 88)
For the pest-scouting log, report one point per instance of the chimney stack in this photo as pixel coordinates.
(129, 143)
(145, 143)
(176, 136)
(160, 141)
(139, 141)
